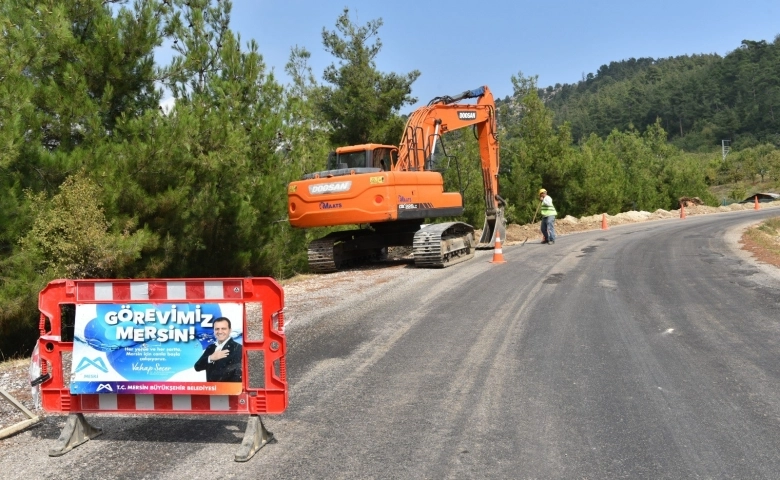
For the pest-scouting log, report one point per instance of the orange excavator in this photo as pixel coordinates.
(391, 191)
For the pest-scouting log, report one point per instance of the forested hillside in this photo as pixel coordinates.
(98, 181)
(699, 99)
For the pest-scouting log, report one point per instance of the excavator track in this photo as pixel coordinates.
(339, 249)
(443, 245)
(323, 257)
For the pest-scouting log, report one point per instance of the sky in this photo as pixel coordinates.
(461, 45)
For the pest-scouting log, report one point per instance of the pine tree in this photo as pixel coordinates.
(71, 70)
(361, 104)
(537, 154)
(208, 177)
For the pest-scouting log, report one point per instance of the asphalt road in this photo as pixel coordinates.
(649, 350)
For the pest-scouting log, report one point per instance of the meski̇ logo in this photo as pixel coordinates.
(96, 362)
(467, 115)
(330, 188)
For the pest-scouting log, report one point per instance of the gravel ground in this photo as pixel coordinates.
(307, 293)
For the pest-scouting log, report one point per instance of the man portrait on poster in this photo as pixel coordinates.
(222, 359)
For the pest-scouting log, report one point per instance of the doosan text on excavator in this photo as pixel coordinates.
(391, 191)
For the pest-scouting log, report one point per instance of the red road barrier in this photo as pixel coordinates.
(146, 346)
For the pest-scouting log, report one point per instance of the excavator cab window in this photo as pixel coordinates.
(352, 160)
(338, 161)
(384, 158)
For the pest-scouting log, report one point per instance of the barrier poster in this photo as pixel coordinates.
(169, 348)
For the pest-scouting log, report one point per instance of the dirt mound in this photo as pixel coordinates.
(690, 201)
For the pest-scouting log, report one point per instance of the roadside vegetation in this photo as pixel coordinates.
(763, 241)
(97, 179)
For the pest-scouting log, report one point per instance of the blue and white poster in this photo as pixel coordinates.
(169, 348)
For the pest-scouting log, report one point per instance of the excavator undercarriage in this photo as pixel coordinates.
(436, 245)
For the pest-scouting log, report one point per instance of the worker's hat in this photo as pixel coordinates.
(541, 191)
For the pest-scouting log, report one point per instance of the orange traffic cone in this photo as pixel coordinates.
(755, 203)
(498, 254)
(604, 221)
(682, 210)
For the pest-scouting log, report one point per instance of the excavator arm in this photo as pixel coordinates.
(444, 114)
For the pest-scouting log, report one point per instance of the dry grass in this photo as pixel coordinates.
(763, 241)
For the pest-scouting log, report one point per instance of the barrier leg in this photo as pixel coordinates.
(77, 431)
(32, 419)
(255, 438)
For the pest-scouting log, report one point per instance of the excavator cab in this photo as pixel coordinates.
(367, 158)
